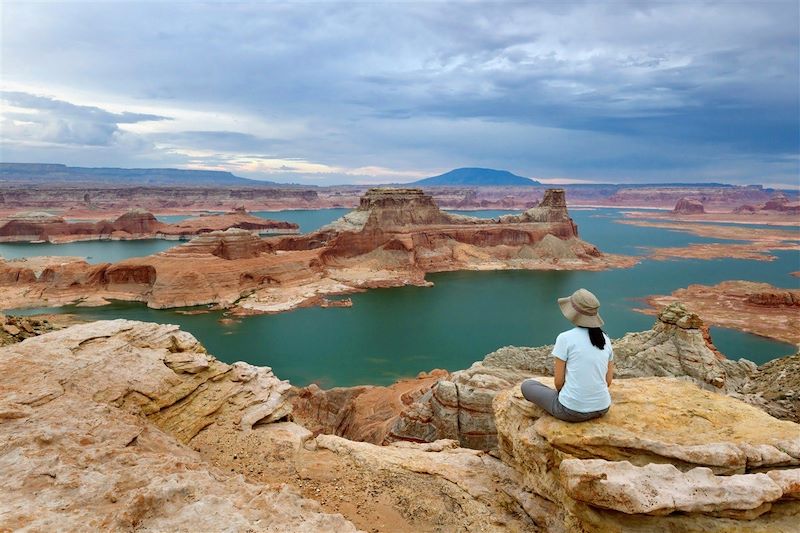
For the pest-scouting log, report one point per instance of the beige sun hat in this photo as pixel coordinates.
(581, 309)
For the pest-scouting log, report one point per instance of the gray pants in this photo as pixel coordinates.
(547, 399)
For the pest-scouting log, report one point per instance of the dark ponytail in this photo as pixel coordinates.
(597, 338)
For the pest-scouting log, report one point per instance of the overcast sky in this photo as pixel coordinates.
(374, 92)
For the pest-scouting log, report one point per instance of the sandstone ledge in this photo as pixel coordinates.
(667, 456)
(92, 421)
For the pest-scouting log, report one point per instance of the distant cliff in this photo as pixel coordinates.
(56, 173)
(479, 177)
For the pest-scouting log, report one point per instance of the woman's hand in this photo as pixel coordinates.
(560, 373)
(610, 373)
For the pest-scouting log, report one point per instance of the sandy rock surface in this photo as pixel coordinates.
(460, 407)
(133, 426)
(668, 456)
(91, 419)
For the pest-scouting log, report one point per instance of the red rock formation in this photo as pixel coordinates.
(239, 218)
(410, 230)
(776, 203)
(38, 226)
(747, 306)
(392, 239)
(135, 224)
(689, 206)
(775, 299)
(137, 221)
(230, 245)
(363, 413)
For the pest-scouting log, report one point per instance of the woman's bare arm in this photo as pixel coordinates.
(610, 373)
(560, 373)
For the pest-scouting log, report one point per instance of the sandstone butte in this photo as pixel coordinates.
(122, 425)
(689, 206)
(394, 238)
(133, 225)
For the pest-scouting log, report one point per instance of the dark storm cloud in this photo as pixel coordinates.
(639, 90)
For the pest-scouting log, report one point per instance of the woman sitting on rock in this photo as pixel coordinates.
(584, 365)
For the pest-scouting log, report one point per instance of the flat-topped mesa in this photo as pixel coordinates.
(405, 229)
(776, 203)
(392, 207)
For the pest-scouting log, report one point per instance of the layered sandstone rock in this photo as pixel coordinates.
(91, 423)
(134, 224)
(148, 369)
(689, 206)
(460, 407)
(405, 230)
(129, 425)
(362, 413)
(137, 222)
(758, 308)
(230, 244)
(42, 226)
(775, 387)
(778, 202)
(238, 218)
(668, 457)
(393, 239)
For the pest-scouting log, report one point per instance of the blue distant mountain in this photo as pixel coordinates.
(476, 177)
(55, 173)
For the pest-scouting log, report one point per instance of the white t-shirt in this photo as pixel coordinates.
(585, 388)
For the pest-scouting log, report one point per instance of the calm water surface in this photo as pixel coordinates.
(93, 251)
(392, 333)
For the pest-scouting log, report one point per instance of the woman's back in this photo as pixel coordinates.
(585, 387)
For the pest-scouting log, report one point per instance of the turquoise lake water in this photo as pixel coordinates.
(393, 333)
(93, 251)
